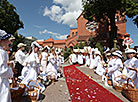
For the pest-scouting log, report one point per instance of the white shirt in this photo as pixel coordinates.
(20, 56)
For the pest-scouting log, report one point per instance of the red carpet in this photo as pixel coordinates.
(83, 89)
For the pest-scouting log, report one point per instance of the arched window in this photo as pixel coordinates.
(72, 33)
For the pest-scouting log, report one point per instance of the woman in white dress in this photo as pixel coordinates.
(5, 70)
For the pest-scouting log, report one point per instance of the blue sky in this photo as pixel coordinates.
(54, 18)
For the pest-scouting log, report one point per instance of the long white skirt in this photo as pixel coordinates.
(5, 95)
(51, 70)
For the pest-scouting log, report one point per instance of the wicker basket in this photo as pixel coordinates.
(33, 92)
(129, 92)
(16, 89)
(118, 87)
(19, 92)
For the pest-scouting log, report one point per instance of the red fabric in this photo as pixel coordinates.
(84, 89)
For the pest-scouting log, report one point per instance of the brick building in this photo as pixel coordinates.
(86, 29)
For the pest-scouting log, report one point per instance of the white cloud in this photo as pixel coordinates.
(66, 13)
(61, 36)
(55, 13)
(37, 26)
(46, 11)
(58, 36)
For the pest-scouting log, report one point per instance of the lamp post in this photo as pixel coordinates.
(115, 43)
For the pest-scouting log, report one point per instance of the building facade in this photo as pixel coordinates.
(85, 29)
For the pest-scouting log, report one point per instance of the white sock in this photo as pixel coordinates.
(106, 84)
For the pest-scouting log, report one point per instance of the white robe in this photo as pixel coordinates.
(52, 66)
(32, 63)
(114, 68)
(44, 61)
(5, 73)
(80, 59)
(74, 58)
(92, 63)
(100, 68)
(131, 63)
(87, 61)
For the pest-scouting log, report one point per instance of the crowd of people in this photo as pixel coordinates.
(112, 65)
(44, 63)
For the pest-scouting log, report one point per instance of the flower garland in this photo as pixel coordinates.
(127, 41)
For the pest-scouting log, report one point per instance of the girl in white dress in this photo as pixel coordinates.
(31, 64)
(80, 58)
(44, 61)
(5, 70)
(44, 58)
(87, 60)
(131, 66)
(99, 63)
(92, 60)
(114, 66)
(52, 66)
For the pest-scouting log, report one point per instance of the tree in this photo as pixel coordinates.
(76, 46)
(80, 46)
(19, 39)
(9, 19)
(101, 10)
(99, 46)
(92, 42)
(10, 22)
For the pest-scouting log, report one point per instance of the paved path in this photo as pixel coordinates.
(59, 91)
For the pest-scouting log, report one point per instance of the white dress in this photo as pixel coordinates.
(58, 61)
(44, 60)
(92, 63)
(80, 59)
(52, 66)
(74, 58)
(114, 68)
(32, 67)
(131, 63)
(87, 61)
(100, 68)
(5, 73)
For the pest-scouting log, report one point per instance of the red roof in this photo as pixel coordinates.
(49, 40)
(59, 41)
(40, 42)
(83, 38)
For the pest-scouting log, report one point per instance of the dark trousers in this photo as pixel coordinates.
(18, 68)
